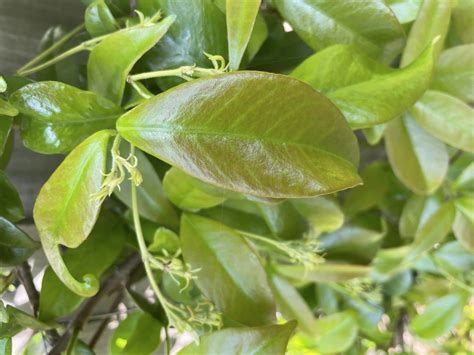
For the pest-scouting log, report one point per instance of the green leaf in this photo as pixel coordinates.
(463, 17)
(291, 304)
(6, 124)
(139, 333)
(361, 86)
(258, 37)
(67, 70)
(351, 243)
(94, 257)
(463, 226)
(188, 193)
(432, 21)
(432, 232)
(65, 211)
(282, 219)
(446, 118)
(416, 212)
(199, 28)
(107, 78)
(465, 180)
(335, 334)
(454, 72)
(15, 245)
(282, 50)
(374, 134)
(6, 346)
(164, 239)
(10, 204)
(98, 19)
(362, 198)
(267, 340)
(240, 19)
(230, 273)
(152, 202)
(310, 150)
(326, 272)
(439, 317)
(419, 160)
(322, 213)
(369, 24)
(455, 257)
(405, 10)
(65, 117)
(18, 321)
(7, 109)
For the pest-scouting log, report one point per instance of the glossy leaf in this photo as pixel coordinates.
(419, 160)
(267, 340)
(230, 273)
(433, 231)
(439, 316)
(405, 10)
(6, 124)
(15, 245)
(7, 109)
(66, 71)
(98, 19)
(454, 72)
(282, 50)
(187, 192)
(327, 272)
(454, 257)
(65, 117)
(308, 151)
(6, 346)
(432, 21)
(322, 213)
(350, 78)
(351, 243)
(152, 202)
(94, 257)
(258, 37)
(362, 198)
(107, 78)
(463, 226)
(334, 334)
(10, 204)
(368, 24)
(416, 212)
(282, 219)
(291, 304)
(65, 211)
(463, 17)
(18, 321)
(199, 28)
(240, 19)
(139, 333)
(446, 118)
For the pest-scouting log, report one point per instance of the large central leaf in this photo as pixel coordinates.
(252, 132)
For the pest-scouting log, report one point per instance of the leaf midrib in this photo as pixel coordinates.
(201, 132)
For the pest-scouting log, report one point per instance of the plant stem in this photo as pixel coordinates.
(26, 278)
(184, 72)
(87, 45)
(168, 343)
(52, 48)
(142, 245)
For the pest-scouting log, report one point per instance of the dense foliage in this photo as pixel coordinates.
(285, 175)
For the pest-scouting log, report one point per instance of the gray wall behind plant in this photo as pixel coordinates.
(22, 24)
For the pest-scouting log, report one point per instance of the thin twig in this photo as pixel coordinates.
(108, 285)
(26, 278)
(106, 320)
